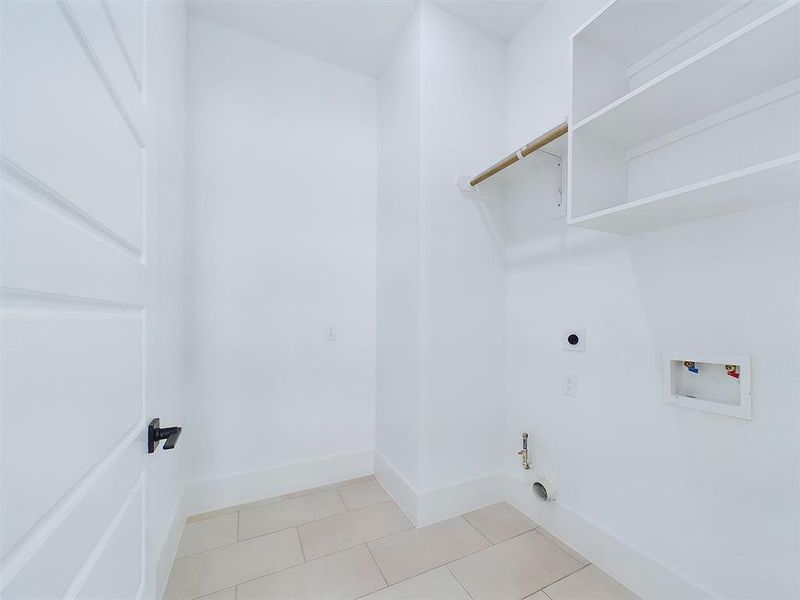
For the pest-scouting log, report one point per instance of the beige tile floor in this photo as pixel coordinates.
(350, 540)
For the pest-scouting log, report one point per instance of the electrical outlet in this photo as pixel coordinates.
(570, 384)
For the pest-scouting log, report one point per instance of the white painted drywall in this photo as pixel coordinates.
(283, 184)
(440, 278)
(712, 498)
(398, 247)
(462, 296)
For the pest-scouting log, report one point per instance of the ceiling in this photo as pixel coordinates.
(500, 18)
(356, 34)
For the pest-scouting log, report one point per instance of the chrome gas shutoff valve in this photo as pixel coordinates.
(524, 452)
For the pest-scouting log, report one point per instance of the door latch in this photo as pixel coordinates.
(156, 433)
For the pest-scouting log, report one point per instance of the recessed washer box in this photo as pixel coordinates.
(715, 383)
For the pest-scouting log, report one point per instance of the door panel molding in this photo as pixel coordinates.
(89, 22)
(77, 381)
(20, 302)
(131, 50)
(138, 493)
(29, 558)
(61, 125)
(23, 183)
(38, 536)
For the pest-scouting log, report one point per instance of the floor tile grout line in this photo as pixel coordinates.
(366, 542)
(478, 531)
(328, 487)
(346, 508)
(381, 572)
(386, 581)
(300, 541)
(266, 501)
(211, 593)
(560, 579)
(447, 564)
(388, 496)
(526, 595)
(463, 587)
(237, 584)
(213, 547)
(567, 548)
(239, 540)
(342, 513)
(300, 564)
(517, 535)
(226, 510)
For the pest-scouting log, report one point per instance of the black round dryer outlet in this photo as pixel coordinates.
(573, 339)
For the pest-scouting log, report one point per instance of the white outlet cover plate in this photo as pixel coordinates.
(580, 346)
(570, 387)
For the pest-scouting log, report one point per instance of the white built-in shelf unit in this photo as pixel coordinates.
(683, 111)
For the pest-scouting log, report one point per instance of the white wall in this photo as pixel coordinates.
(712, 499)
(462, 295)
(398, 292)
(283, 181)
(441, 286)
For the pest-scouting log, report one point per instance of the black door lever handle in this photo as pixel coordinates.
(156, 433)
(172, 433)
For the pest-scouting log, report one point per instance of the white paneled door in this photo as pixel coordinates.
(76, 287)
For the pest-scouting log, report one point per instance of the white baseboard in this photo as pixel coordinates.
(212, 494)
(453, 500)
(432, 506)
(401, 491)
(644, 575)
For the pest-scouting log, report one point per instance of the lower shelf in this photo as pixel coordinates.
(770, 182)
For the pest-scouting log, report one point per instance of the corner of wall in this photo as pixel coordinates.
(432, 506)
(401, 491)
(450, 501)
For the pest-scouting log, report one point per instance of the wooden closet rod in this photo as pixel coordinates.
(529, 148)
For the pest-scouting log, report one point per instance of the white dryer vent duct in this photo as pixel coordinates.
(544, 489)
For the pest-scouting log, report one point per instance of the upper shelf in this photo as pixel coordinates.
(774, 181)
(754, 59)
(630, 31)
